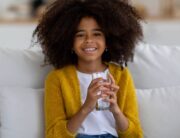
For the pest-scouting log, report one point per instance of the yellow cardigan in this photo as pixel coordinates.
(63, 100)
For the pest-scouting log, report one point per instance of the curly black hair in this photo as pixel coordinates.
(118, 20)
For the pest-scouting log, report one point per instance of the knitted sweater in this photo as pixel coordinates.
(63, 100)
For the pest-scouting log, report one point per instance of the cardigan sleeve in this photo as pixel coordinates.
(131, 110)
(55, 116)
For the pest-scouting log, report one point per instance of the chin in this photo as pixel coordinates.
(90, 60)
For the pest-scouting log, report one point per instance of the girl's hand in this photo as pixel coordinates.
(93, 95)
(114, 108)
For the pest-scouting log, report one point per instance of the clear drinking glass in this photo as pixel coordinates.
(101, 104)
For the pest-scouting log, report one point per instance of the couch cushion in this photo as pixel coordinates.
(21, 113)
(156, 66)
(22, 68)
(159, 112)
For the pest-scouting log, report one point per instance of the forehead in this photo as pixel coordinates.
(87, 23)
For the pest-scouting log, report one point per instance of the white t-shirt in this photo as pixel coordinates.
(97, 122)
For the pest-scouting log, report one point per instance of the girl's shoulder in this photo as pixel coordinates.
(114, 67)
(59, 73)
(118, 72)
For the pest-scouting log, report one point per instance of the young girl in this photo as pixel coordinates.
(81, 37)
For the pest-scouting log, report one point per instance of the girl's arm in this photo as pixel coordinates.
(120, 119)
(55, 116)
(127, 121)
(75, 122)
(96, 85)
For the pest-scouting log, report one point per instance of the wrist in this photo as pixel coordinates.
(85, 110)
(116, 112)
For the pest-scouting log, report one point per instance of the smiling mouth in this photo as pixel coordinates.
(90, 50)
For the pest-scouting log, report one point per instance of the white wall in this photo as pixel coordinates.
(155, 32)
(5, 3)
(16, 35)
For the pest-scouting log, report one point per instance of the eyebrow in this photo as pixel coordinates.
(81, 30)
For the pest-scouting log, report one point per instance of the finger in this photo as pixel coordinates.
(101, 95)
(99, 81)
(99, 84)
(106, 84)
(95, 84)
(114, 88)
(104, 96)
(111, 78)
(111, 101)
(95, 81)
(98, 96)
(99, 90)
(110, 94)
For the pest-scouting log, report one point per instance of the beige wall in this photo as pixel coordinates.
(168, 8)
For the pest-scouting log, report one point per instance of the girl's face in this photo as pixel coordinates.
(89, 41)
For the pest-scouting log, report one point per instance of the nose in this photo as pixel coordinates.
(89, 38)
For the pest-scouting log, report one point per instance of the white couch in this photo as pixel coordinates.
(156, 73)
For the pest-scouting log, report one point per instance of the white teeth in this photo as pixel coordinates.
(89, 49)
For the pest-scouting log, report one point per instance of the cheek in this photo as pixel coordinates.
(77, 42)
(102, 42)
(76, 47)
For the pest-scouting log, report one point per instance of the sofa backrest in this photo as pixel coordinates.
(156, 74)
(153, 67)
(21, 93)
(22, 68)
(156, 66)
(155, 70)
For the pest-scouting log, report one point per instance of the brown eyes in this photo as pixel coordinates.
(79, 35)
(98, 34)
(84, 34)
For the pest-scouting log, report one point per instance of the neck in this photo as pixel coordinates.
(91, 67)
